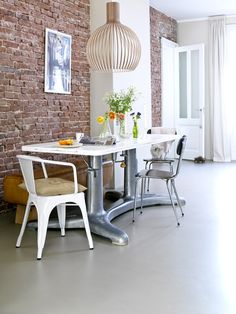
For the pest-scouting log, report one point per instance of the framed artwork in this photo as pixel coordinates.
(57, 62)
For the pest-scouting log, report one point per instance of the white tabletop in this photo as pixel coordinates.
(99, 150)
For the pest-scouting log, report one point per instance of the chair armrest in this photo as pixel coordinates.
(52, 162)
(61, 163)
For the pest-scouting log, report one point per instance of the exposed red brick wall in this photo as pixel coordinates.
(160, 26)
(27, 113)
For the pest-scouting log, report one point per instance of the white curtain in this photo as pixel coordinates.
(230, 83)
(220, 133)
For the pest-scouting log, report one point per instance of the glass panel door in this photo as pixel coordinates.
(183, 111)
(194, 84)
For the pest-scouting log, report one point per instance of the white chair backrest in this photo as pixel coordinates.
(162, 130)
(26, 164)
(161, 150)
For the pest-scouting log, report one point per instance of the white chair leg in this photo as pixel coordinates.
(24, 223)
(61, 212)
(83, 209)
(43, 217)
(172, 203)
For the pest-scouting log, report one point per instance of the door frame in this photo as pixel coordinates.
(185, 123)
(170, 89)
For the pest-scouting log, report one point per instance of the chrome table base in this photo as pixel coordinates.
(99, 218)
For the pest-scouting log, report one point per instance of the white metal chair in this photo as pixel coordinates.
(166, 175)
(160, 151)
(48, 193)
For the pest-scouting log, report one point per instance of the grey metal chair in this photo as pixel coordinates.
(168, 176)
(160, 151)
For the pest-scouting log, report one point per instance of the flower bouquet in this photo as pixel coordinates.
(105, 126)
(120, 103)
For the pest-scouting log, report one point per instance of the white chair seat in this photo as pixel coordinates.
(54, 186)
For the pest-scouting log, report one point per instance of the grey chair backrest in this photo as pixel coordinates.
(180, 151)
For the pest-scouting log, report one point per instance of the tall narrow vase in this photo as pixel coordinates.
(135, 129)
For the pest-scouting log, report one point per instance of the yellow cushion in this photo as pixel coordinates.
(54, 186)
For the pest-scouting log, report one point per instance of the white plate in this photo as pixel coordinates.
(70, 146)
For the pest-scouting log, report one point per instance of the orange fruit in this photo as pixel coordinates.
(66, 142)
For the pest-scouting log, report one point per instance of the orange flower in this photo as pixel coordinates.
(112, 115)
(100, 119)
(121, 116)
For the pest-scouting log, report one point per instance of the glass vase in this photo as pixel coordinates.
(122, 132)
(105, 129)
(135, 130)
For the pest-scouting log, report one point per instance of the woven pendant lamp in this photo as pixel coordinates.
(113, 47)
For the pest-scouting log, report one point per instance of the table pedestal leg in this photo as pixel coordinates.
(98, 217)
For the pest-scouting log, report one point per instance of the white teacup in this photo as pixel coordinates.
(79, 136)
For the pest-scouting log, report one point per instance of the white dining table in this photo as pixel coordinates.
(99, 217)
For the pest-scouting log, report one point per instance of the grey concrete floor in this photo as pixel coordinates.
(163, 269)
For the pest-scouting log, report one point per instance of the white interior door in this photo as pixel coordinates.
(189, 113)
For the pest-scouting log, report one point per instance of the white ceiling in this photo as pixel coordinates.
(190, 9)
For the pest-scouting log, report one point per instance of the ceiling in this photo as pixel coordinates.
(189, 9)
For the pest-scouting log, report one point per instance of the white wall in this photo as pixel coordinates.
(100, 82)
(134, 14)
